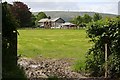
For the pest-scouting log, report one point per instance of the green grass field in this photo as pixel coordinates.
(53, 43)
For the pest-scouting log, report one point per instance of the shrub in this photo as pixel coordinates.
(101, 32)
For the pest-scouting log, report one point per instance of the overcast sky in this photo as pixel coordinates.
(102, 6)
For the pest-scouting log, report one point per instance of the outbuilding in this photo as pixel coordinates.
(68, 25)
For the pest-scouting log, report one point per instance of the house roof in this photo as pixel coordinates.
(67, 23)
(44, 20)
(55, 19)
(52, 19)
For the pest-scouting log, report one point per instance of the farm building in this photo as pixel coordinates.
(51, 23)
(45, 23)
(68, 25)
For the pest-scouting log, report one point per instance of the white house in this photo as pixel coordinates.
(51, 23)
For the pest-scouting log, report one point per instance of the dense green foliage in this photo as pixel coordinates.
(33, 20)
(22, 14)
(9, 22)
(41, 15)
(97, 17)
(101, 32)
(77, 20)
(9, 44)
(82, 21)
(87, 18)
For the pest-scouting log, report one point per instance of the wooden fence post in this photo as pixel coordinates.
(106, 65)
(14, 47)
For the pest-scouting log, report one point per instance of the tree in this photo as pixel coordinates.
(33, 18)
(22, 13)
(101, 32)
(39, 16)
(97, 17)
(9, 44)
(77, 20)
(87, 18)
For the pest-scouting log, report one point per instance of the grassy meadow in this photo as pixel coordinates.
(53, 43)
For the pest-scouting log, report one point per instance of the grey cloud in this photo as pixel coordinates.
(119, 8)
(104, 7)
(53, 5)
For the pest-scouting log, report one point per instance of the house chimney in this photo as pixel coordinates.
(49, 17)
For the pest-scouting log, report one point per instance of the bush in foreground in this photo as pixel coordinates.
(101, 32)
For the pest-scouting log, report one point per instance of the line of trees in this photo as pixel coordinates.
(81, 21)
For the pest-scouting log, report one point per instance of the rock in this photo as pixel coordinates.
(47, 67)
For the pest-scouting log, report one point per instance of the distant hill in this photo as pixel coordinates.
(68, 15)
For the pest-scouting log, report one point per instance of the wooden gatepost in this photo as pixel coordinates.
(106, 41)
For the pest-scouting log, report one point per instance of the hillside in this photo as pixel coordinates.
(67, 15)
